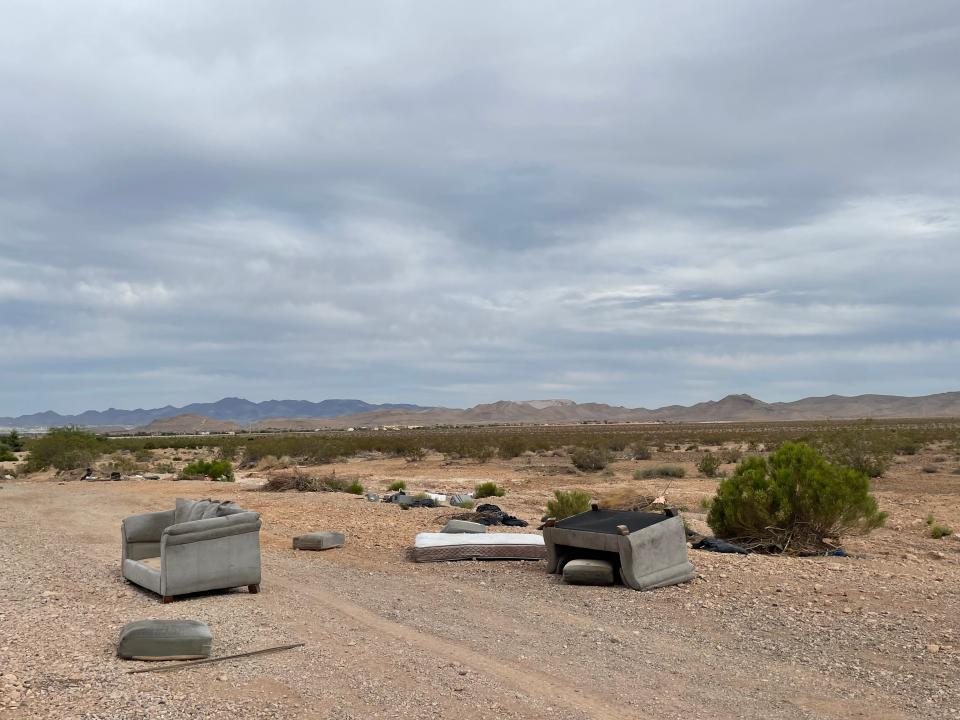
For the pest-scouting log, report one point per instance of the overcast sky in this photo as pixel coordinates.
(451, 203)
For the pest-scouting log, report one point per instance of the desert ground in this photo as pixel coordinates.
(873, 635)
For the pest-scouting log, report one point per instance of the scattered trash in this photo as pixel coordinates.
(115, 475)
(207, 661)
(488, 514)
(319, 541)
(713, 544)
(373, 497)
(151, 477)
(165, 640)
(404, 500)
(457, 500)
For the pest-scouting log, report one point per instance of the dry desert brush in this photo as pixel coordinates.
(791, 501)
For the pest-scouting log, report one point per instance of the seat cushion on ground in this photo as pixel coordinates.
(463, 526)
(319, 541)
(584, 571)
(165, 640)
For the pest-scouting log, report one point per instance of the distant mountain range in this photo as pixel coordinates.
(235, 410)
(236, 413)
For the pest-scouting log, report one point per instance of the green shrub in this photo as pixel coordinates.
(709, 465)
(220, 470)
(792, 500)
(354, 488)
(397, 485)
(660, 471)
(567, 503)
(940, 531)
(590, 459)
(65, 448)
(465, 504)
(488, 489)
(6, 454)
(731, 455)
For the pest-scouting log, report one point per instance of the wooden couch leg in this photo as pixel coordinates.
(167, 599)
(254, 589)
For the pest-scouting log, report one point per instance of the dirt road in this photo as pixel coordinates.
(752, 637)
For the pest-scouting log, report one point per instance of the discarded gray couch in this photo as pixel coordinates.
(199, 545)
(647, 550)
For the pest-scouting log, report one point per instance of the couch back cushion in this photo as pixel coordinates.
(188, 510)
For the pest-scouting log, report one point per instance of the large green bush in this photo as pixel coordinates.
(792, 500)
(65, 448)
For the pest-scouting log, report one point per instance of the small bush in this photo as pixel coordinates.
(65, 448)
(706, 503)
(218, 470)
(590, 459)
(567, 503)
(940, 531)
(792, 500)
(397, 485)
(354, 488)
(164, 467)
(641, 452)
(6, 454)
(660, 471)
(415, 454)
(731, 455)
(488, 489)
(465, 504)
(709, 465)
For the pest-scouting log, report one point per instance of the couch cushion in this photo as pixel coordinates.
(199, 508)
(165, 640)
(136, 571)
(182, 512)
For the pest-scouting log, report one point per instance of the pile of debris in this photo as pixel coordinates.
(487, 514)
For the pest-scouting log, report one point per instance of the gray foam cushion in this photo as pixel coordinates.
(165, 640)
(463, 526)
(588, 572)
(319, 541)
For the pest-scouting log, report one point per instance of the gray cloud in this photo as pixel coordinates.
(442, 204)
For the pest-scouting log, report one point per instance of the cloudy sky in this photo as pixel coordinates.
(452, 203)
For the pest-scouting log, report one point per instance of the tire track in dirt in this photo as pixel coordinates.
(551, 689)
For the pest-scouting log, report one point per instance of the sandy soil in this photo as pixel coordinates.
(876, 635)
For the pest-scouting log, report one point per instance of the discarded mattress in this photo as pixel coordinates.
(646, 550)
(440, 547)
(165, 640)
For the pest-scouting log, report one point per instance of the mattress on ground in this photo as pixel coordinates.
(439, 547)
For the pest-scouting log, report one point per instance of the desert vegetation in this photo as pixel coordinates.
(795, 500)
(566, 503)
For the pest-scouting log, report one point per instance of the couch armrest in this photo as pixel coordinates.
(147, 527)
(211, 528)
